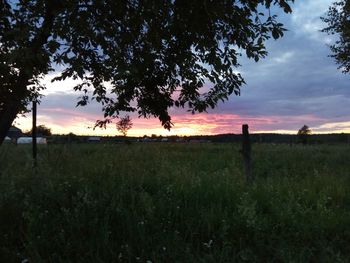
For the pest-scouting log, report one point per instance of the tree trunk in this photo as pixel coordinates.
(14, 104)
(11, 109)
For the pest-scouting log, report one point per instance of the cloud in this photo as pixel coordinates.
(66, 119)
(306, 18)
(283, 58)
(334, 127)
(58, 87)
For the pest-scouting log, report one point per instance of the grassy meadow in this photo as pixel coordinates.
(148, 202)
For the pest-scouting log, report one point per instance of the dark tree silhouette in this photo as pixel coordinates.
(338, 20)
(42, 130)
(146, 50)
(304, 133)
(124, 124)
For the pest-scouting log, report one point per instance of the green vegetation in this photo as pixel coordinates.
(174, 203)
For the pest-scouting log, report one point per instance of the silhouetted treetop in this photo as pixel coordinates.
(304, 130)
(124, 124)
(42, 130)
(154, 54)
(303, 134)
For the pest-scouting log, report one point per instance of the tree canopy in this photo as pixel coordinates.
(338, 20)
(132, 56)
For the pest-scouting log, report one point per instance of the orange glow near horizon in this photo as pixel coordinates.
(80, 123)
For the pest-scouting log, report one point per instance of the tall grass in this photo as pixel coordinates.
(174, 203)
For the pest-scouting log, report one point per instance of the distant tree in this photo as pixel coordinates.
(145, 50)
(71, 137)
(124, 124)
(338, 20)
(43, 130)
(304, 133)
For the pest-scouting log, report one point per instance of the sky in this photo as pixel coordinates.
(296, 84)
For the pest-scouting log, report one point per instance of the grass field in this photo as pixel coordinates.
(174, 203)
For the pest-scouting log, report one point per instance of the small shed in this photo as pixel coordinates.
(14, 133)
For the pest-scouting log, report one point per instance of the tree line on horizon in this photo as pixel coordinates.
(303, 136)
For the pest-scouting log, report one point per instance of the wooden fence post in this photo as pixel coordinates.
(246, 152)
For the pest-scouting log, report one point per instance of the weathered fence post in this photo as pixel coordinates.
(34, 131)
(246, 152)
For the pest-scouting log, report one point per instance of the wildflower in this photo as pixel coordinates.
(208, 245)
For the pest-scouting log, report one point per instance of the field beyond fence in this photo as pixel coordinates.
(174, 203)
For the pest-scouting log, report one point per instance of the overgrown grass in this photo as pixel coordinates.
(174, 203)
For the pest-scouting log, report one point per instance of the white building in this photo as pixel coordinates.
(29, 140)
(94, 139)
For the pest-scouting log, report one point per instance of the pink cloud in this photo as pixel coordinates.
(63, 120)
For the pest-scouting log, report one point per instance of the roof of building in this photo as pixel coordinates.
(14, 128)
(14, 132)
(94, 138)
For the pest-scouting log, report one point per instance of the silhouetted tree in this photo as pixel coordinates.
(71, 137)
(304, 133)
(338, 20)
(124, 124)
(42, 130)
(146, 50)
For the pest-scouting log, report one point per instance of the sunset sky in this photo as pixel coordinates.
(296, 84)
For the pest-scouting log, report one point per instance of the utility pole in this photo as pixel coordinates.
(246, 152)
(34, 131)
